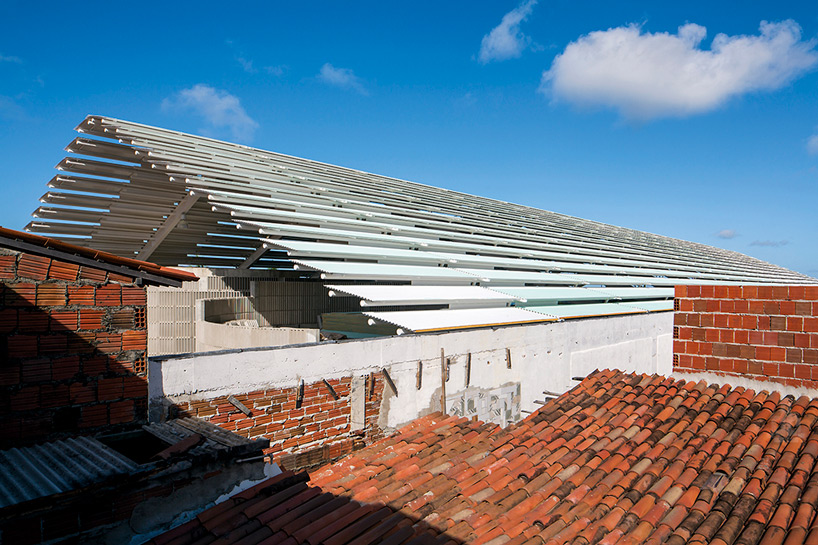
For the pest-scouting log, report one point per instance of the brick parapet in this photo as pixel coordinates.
(73, 354)
(766, 333)
(314, 430)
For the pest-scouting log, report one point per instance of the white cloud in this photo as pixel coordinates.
(219, 108)
(770, 243)
(650, 75)
(275, 70)
(505, 41)
(812, 145)
(10, 58)
(341, 77)
(247, 65)
(727, 233)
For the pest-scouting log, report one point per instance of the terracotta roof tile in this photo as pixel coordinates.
(620, 459)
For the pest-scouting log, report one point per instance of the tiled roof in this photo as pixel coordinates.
(620, 459)
(73, 253)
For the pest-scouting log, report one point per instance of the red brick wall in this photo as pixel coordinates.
(318, 429)
(761, 332)
(73, 343)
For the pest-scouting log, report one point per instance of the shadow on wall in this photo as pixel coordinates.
(72, 359)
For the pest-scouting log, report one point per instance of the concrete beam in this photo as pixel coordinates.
(167, 226)
(252, 258)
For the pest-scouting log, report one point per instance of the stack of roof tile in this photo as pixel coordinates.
(620, 459)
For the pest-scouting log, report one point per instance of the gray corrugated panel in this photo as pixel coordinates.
(585, 310)
(32, 472)
(442, 320)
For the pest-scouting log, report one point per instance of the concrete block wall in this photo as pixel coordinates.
(764, 333)
(306, 425)
(73, 345)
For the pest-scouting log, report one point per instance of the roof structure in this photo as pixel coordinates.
(179, 199)
(620, 459)
(150, 272)
(76, 463)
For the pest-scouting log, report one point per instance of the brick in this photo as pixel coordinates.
(8, 320)
(680, 292)
(694, 291)
(53, 395)
(20, 294)
(51, 295)
(749, 292)
(91, 319)
(803, 308)
(81, 342)
(122, 319)
(9, 375)
(778, 354)
(33, 266)
(811, 293)
(134, 387)
(22, 346)
(81, 295)
(786, 339)
(134, 296)
(32, 321)
(794, 355)
(770, 369)
(765, 292)
(734, 292)
(135, 340)
(755, 367)
(8, 266)
(786, 370)
(781, 292)
(109, 343)
(741, 336)
(707, 291)
(94, 416)
(65, 368)
(811, 324)
(755, 307)
(25, 399)
(110, 389)
(92, 274)
(778, 323)
(787, 307)
(122, 412)
(53, 344)
(803, 372)
(120, 278)
(64, 320)
(771, 307)
(109, 295)
(801, 340)
(720, 292)
(810, 356)
(60, 270)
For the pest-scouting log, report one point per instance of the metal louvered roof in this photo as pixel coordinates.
(180, 199)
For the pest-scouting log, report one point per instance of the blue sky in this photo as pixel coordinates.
(696, 120)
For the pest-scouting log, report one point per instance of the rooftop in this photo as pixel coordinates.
(149, 272)
(620, 459)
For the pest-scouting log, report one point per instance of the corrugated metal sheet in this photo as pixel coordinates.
(42, 470)
(585, 310)
(374, 295)
(183, 198)
(436, 320)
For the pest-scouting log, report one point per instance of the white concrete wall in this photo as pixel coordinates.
(212, 336)
(544, 357)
